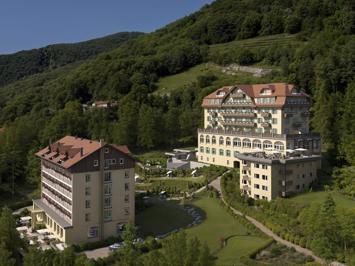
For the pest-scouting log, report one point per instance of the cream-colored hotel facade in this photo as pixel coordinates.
(262, 129)
(87, 190)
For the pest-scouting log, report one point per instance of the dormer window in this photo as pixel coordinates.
(266, 91)
(221, 93)
(107, 150)
(295, 91)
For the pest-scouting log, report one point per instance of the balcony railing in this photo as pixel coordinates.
(244, 134)
(246, 188)
(246, 167)
(58, 209)
(239, 114)
(265, 114)
(246, 177)
(265, 124)
(57, 176)
(57, 199)
(58, 188)
(238, 123)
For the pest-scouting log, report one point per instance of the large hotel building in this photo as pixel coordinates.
(87, 190)
(262, 129)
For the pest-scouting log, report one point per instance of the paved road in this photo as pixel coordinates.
(217, 185)
(97, 253)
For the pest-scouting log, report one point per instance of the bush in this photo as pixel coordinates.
(98, 244)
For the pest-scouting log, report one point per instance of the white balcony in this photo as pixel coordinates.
(61, 178)
(57, 188)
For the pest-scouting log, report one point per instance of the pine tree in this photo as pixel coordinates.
(5, 256)
(8, 232)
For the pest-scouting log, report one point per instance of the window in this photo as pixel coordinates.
(264, 166)
(126, 211)
(126, 198)
(107, 202)
(279, 146)
(87, 204)
(256, 175)
(264, 198)
(264, 177)
(107, 150)
(213, 151)
(264, 188)
(274, 120)
(107, 215)
(256, 144)
(207, 139)
(257, 186)
(96, 162)
(256, 196)
(126, 174)
(267, 144)
(108, 189)
(201, 139)
(237, 142)
(201, 158)
(298, 187)
(113, 161)
(87, 191)
(246, 143)
(228, 153)
(107, 163)
(93, 231)
(87, 178)
(201, 149)
(121, 161)
(256, 165)
(107, 177)
(213, 159)
(207, 150)
(228, 141)
(87, 217)
(126, 186)
(227, 162)
(221, 152)
(213, 139)
(221, 141)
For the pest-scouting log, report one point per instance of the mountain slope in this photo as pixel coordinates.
(24, 63)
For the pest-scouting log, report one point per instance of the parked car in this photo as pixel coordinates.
(115, 246)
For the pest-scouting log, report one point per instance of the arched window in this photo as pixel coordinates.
(202, 139)
(213, 139)
(213, 151)
(221, 152)
(201, 149)
(279, 146)
(267, 144)
(221, 140)
(237, 142)
(228, 141)
(207, 139)
(256, 144)
(246, 143)
(207, 150)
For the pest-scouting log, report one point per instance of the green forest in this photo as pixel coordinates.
(42, 91)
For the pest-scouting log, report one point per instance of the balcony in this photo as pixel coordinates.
(246, 167)
(58, 188)
(235, 133)
(57, 176)
(212, 113)
(238, 123)
(237, 95)
(265, 114)
(239, 114)
(57, 200)
(246, 177)
(265, 124)
(287, 115)
(246, 188)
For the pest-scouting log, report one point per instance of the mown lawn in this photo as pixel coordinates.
(180, 80)
(219, 223)
(319, 197)
(178, 183)
(165, 216)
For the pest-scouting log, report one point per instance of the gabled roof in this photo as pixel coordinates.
(278, 90)
(70, 150)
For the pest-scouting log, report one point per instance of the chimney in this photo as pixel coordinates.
(102, 142)
(81, 151)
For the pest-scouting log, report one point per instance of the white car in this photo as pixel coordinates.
(115, 246)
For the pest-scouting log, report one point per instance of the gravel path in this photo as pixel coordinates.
(217, 185)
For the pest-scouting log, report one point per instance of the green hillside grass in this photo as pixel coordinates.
(259, 42)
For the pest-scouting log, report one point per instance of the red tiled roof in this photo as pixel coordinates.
(70, 150)
(278, 90)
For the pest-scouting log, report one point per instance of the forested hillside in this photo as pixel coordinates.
(25, 63)
(320, 60)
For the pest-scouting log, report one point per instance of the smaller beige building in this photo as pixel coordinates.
(267, 176)
(87, 190)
